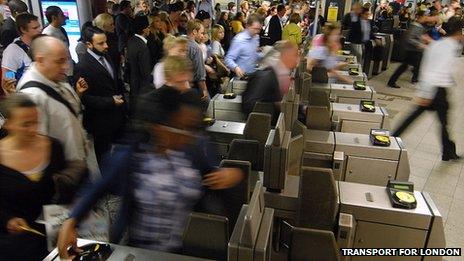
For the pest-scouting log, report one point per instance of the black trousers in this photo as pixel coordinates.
(440, 105)
(412, 58)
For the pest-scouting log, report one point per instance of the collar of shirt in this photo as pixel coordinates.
(141, 37)
(12, 18)
(96, 56)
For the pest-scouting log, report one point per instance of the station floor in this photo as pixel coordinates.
(444, 181)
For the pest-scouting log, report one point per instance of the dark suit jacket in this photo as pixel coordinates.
(101, 115)
(113, 50)
(140, 64)
(9, 32)
(275, 30)
(155, 45)
(262, 86)
(123, 30)
(355, 35)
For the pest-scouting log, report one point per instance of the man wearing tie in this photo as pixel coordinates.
(105, 112)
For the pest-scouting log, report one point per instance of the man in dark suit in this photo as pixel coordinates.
(105, 113)
(276, 25)
(271, 84)
(123, 23)
(361, 29)
(9, 28)
(140, 64)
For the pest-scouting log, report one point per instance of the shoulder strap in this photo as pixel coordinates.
(50, 92)
(23, 46)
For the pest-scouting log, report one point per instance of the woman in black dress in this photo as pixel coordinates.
(29, 167)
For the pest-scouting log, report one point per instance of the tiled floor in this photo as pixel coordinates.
(443, 180)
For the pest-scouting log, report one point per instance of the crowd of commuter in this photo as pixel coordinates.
(137, 94)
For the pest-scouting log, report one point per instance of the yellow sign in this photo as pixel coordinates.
(332, 14)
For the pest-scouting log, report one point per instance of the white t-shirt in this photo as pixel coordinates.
(158, 75)
(439, 66)
(217, 49)
(55, 32)
(15, 59)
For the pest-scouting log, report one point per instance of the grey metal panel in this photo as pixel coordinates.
(353, 112)
(226, 131)
(237, 116)
(374, 235)
(319, 141)
(361, 127)
(234, 242)
(295, 152)
(360, 77)
(287, 199)
(353, 201)
(227, 104)
(360, 145)
(263, 245)
(386, 118)
(369, 171)
(436, 231)
(403, 165)
(348, 91)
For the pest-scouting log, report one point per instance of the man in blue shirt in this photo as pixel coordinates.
(243, 55)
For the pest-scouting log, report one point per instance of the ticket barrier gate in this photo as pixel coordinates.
(344, 93)
(379, 54)
(241, 141)
(353, 157)
(227, 109)
(341, 117)
(358, 213)
(388, 50)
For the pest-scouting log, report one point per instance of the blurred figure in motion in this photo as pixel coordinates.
(416, 42)
(161, 180)
(243, 55)
(436, 77)
(27, 185)
(272, 83)
(173, 46)
(326, 55)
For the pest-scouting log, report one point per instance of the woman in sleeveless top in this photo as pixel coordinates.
(28, 164)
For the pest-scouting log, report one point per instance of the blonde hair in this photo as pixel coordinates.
(217, 28)
(193, 25)
(171, 41)
(175, 65)
(103, 20)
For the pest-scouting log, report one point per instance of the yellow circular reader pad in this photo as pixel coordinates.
(382, 138)
(406, 197)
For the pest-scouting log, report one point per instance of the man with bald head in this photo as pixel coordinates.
(59, 105)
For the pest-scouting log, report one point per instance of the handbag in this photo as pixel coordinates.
(221, 69)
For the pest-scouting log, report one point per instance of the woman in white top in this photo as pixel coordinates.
(173, 46)
(217, 34)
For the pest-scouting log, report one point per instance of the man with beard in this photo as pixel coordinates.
(105, 112)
